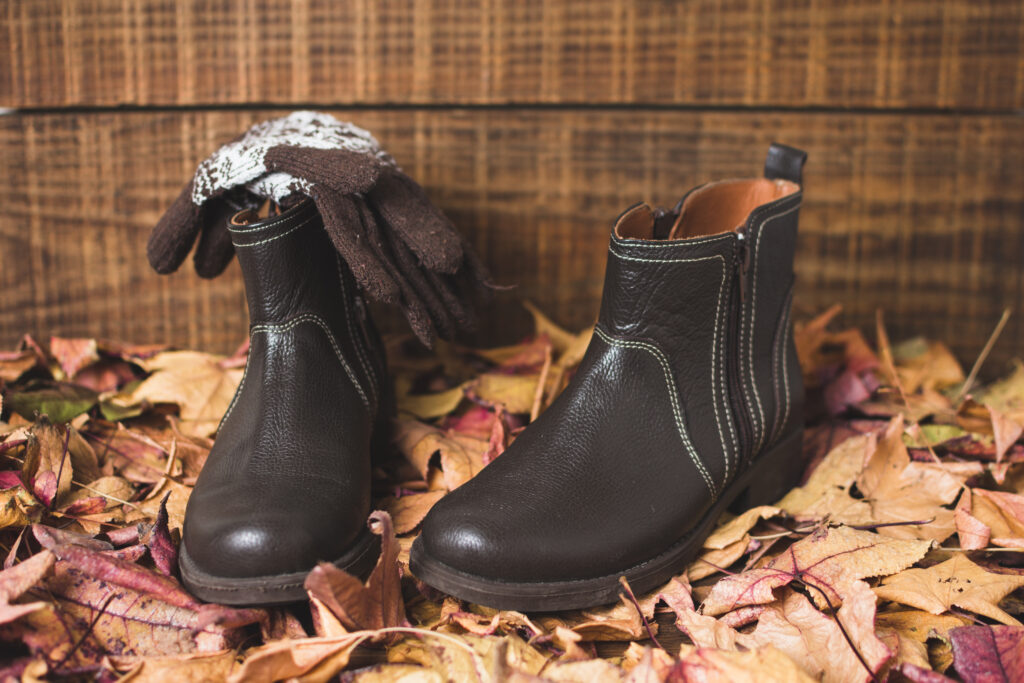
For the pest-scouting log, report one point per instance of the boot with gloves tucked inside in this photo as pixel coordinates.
(287, 483)
(689, 399)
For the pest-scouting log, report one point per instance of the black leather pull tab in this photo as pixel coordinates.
(785, 162)
(663, 222)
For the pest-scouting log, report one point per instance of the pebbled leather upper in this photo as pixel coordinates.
(690, 374)
(287, 483)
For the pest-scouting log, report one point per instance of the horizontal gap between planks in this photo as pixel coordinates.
(535, 106)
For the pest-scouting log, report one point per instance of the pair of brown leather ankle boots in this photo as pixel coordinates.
(688, 400)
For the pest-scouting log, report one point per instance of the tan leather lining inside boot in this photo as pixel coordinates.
(724, 206)
(713, 209)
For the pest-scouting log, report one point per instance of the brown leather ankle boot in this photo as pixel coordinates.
(287, 483)
(689, 399)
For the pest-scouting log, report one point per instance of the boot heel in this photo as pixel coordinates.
(772, 474)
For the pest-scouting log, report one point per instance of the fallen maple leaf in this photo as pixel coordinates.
(306, 659)
(1005, 429)
(972, 532)
(16, 580)
(1003, 514)
(763, 665)
(409, 510)
(421, 444)
(736, 529)
(928, 365)
(703, 630)
(198, 667)
(717, 560)
(955, 582)
(99, 604)
(898, 490)
(620, 621)
(831, 559)
(198, 383)
(817, 642)
(826, 492)
(377, 603)
(472, 658)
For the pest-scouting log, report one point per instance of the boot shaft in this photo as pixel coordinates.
(708, 285)
(294, 276)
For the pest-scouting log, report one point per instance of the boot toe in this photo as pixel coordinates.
(252, 549)
(462, 541)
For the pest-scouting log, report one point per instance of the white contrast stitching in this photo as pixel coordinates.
(750, 327)
(778, 353)
(672, 395)
(238, 392)
(318, 321)
(357, 341)
(785, 364)
(272, 222)
(714, 344)
(776, 343)
(275, 237)
(661, 244)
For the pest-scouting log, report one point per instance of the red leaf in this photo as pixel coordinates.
(44, 485)
(9, 479)
(162, 548)
(378, 603)
(987, 654)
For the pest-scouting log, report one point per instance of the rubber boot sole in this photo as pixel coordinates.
(276, 589)
(766, 480)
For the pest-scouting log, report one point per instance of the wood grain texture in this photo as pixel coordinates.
(961, 54)
(920, 215)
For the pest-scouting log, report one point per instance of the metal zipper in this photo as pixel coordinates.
(739, 406)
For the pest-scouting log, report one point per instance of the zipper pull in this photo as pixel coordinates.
(744, 259)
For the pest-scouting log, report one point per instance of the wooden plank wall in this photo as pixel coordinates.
(533, 124)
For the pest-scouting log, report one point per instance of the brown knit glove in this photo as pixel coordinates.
(399, 246)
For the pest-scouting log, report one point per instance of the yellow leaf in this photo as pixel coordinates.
(408, 511)
(899, 490)
(196, 382)
(596, 670)
(427, 406)
(419, 443)
(11, 513)
(561, 339)
(307, 659)
(515, 392)
(1003, 514)
(189, 668)
(918, 624)
(831, 479)
(763, 665)
(955, 582)
(737, 528)
(715, 560)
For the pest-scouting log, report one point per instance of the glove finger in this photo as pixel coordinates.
(412, 305)
(479, 273)
(454, 300)
(340, 170)
(403, 205)
(174, 234)
(415, 274)
(215, 250)
(345, 228)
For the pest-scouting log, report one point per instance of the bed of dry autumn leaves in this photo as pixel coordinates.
(900, 556)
